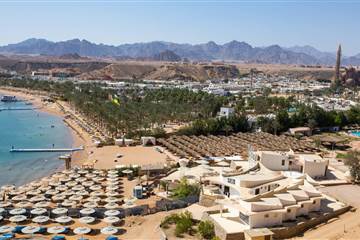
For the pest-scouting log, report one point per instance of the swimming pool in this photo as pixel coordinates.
(356, 133)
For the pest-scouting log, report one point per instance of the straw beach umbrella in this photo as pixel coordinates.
(17, 218)
(109, 230)
(111, 220)
(5, 204)
(56, 230)
(6, 229)
(38, 211)
(59, 211)
(43, 204)
(87, 220)
(91, 205)
(63, 219)
(111, 206)
(18, 211)
(23, 204)
(30, 229)
(112, 213)
(82, 230)
(41, 219)
(87, 211)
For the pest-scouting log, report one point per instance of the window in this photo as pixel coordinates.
(266, 215)
(282, 162)
(290, 162)
(289, 210)
(314, 202)
(302, 205)
(231, 180)
(257, 191)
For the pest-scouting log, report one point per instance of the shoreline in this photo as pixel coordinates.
(104, 157)
(78, 138)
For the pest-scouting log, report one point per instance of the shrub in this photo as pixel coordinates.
(184, 189)
(171, 219)
(183, 224)
(216, 238)
(206, 229)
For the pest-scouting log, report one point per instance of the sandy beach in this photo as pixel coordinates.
(103, 157)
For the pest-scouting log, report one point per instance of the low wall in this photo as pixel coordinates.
(289, 232)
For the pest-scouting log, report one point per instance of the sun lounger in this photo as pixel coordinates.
(111, 238)
(57, 237)
(8, 236)
(18, 229)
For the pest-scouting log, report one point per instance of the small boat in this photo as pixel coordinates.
(8, 98)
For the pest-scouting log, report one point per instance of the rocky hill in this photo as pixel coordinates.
(167, 56)
(166, 51)
(177, 71)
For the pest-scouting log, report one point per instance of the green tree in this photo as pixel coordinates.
(352, 159)
(184, 189)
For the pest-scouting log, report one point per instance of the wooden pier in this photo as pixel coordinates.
(18, 109)
(47, 149)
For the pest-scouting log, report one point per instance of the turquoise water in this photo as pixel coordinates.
(29, 129)
(356, 133)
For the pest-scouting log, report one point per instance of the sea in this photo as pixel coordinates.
(29, 129)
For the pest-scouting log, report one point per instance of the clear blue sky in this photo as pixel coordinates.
(320, 23)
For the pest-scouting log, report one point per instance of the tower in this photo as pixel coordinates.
(338, 64)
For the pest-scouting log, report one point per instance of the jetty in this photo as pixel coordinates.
(47, 149)
(17, 109)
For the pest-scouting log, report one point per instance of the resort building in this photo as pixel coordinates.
(261, 198)
(275, 207)
(311, 164)
(226, 112)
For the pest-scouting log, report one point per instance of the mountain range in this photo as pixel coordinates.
(167, 51)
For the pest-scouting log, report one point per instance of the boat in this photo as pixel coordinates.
(8, 98)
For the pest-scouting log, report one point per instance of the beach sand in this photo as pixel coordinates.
(105, 156)
(139, 155)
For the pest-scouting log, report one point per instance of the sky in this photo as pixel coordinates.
(319, 23)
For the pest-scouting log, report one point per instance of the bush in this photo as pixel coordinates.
(206, 229)
(183, 224)
(216, 238)
(184, 189)
(171, 219)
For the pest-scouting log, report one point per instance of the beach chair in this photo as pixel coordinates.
(18, 229)
(57, 237)
(67, 229)
(8, 236)
(111, 238)
(42, 230)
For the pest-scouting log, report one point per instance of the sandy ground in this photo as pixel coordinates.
(355, 145)
(105, 156)
(132, 228)
(346, 226)
(139, 155)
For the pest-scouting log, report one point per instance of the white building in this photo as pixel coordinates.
(311, 164)
(226, 112)
(272, 208)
